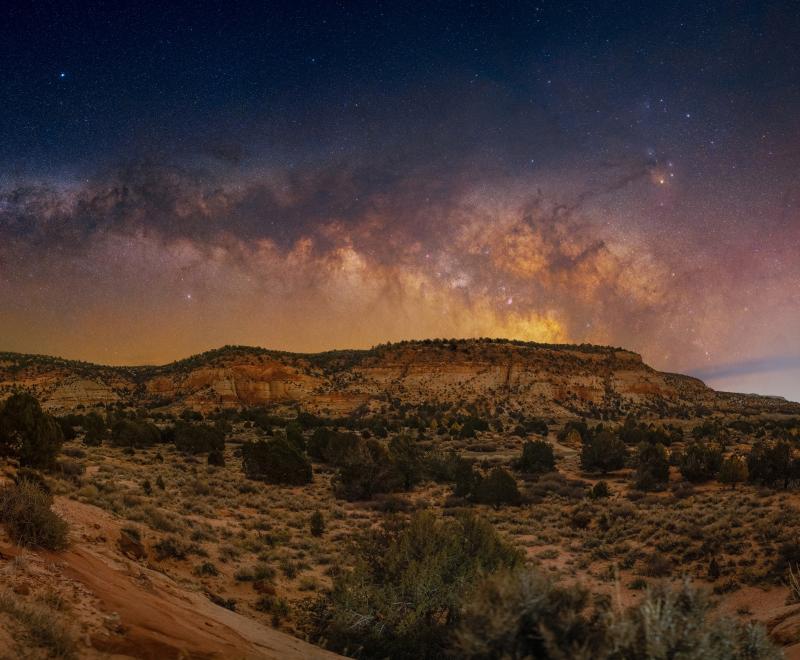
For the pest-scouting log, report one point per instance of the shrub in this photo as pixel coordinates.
(676, 623)
(733, 470)
(465, 476)
(471, 425)
(25, 511)
(317, 524)
(522, 614)
(537, 426)
(580, 517)
(657, 565)
(170, 548)
(189, 415)
(404, 593)
(227, 603)
(603, 452)
(496, 489)
(652, 466)
(537, 456)
(700, 462)
(216, 458)
(43, 627)
(294, 434)
(441, 466)
(599, 490)
(70, 469)
(206, 569)
(27, 433)
(276, 461)
(35, 477)
(258, 573)
(574, 427)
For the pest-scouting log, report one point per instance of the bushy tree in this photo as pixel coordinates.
(189, 415)
(406, 458)
(95, 429)
(134, 433)
(470, 425)
(198, 438)
(497, 488)
(365, 471)
(772, 464)
(526, 426)
(276, 461)
(634, 433)
(733, 470)
(652, 466)
(603, 452)
(68, 424)
(465, 476)
(27, 433)
(331, 446)
(700, 462)
(537, 457)
(405, 592)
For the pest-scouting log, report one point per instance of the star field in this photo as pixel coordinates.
(309, 176)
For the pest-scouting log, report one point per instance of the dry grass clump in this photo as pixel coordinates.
(25, 511)
(40, 625)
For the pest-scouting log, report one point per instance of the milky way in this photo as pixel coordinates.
(550, 175)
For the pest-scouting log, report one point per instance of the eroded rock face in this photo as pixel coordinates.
(542, 379)
(237, 384)
(80, 391)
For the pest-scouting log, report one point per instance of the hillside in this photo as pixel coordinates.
(543, 379)
(256, 530)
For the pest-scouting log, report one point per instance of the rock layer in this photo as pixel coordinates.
(540, 378)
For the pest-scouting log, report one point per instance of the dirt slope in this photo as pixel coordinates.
(123, 608)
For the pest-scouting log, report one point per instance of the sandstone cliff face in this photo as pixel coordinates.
(240, 383)
(76, 391)
(542, 379)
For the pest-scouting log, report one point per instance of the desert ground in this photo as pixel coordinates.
(177, 551)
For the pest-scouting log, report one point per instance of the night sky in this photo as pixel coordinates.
(179, 176)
